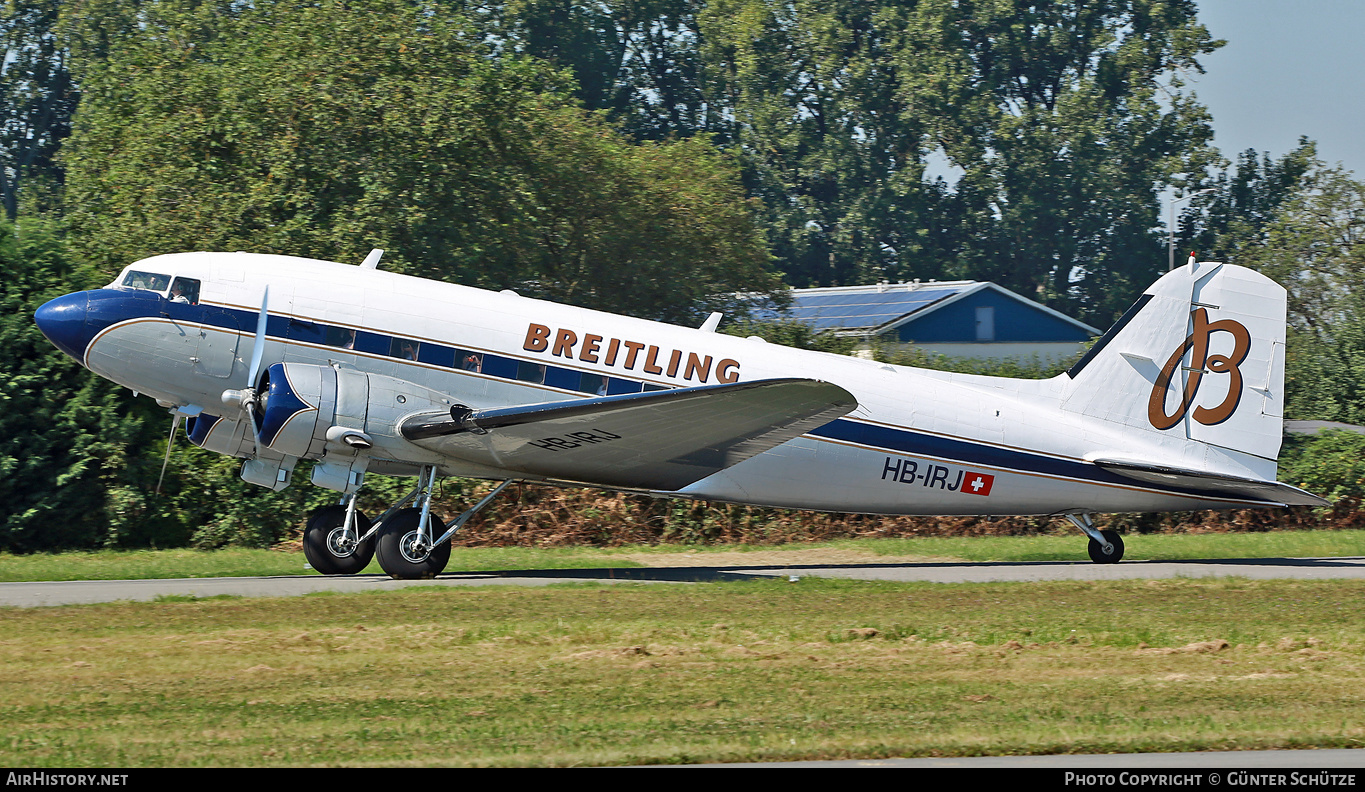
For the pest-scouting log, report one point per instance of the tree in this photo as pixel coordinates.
(66, 439)
(1244, 202)
(325, 129)
(635, 60)
(814, 91)
(1315, 248)
(38, 99)
(1067, 118)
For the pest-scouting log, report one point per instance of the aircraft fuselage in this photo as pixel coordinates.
(920, 442)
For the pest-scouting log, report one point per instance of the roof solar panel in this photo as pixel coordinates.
(841, 310)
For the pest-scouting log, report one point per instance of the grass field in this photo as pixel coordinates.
(630, 674)
(143, 564)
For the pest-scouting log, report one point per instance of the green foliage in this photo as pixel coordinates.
(817, 97)
(1063, 118)
(325, 129)
(1015, 368)
(635, 60)
(794, 333)
(1313, 246)
(1330, 463)
(1221, 224)
(37, 98)
(66, 438)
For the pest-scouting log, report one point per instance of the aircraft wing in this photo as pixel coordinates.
(1270, 491)
(659, 440)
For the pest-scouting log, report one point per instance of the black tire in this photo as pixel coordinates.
(323, 550)
(396, 552)
(1097, 550)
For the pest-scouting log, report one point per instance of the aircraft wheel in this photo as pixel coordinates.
(401, 553)
(1097, 553)
(326, 546)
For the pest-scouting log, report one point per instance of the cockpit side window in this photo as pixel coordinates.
(150, 281)
(185, 290)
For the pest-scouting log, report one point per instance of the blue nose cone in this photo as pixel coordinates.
(63, 322)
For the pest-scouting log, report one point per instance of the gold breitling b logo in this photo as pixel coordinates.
(1201, 362)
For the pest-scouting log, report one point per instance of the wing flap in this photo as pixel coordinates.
(660, 440)
(1269, 491)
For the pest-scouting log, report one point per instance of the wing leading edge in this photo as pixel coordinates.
(661, 440)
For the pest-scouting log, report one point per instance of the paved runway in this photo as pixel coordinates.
(81, 592)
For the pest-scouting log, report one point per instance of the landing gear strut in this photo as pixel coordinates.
(1106, 547)
(412, 544)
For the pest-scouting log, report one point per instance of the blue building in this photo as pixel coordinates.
(953, 318)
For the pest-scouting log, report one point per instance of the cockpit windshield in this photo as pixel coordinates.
(151, 281)
(182, 290)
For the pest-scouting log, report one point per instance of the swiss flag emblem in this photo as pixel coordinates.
(977, 483)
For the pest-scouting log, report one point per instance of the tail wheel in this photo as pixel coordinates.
(328, 547)
(402, 552)
(1097, 550)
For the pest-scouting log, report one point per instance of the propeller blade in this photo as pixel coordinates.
(259, 349)
(175, 424)
(250, 407)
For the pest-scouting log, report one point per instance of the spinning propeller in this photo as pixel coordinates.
(248, 398)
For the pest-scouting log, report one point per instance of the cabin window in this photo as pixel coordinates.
(151, 281)
(530, 372)
(343, 337)
(468, 361)
(595, 384)
(404, 348)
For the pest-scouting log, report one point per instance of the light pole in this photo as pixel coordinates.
(1170, 244)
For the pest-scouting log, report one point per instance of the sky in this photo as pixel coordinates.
(1290, 68)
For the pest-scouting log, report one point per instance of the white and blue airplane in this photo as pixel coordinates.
(276, 359)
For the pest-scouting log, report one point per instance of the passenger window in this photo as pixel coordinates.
(343, 337)
(185, 290)
(468, 361)
(530, 372)
(150, 281)
(404, 348)
(593, 383)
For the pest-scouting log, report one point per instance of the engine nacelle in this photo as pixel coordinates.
(222, 435)
(233, 437)
(308, 409)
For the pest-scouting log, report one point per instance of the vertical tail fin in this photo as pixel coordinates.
(1199, 357)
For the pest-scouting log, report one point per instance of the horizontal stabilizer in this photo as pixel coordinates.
(1269, 491)
(659, 440)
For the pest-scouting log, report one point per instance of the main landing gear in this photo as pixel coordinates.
(411, 543)
(1106, 547)
(333, 542)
